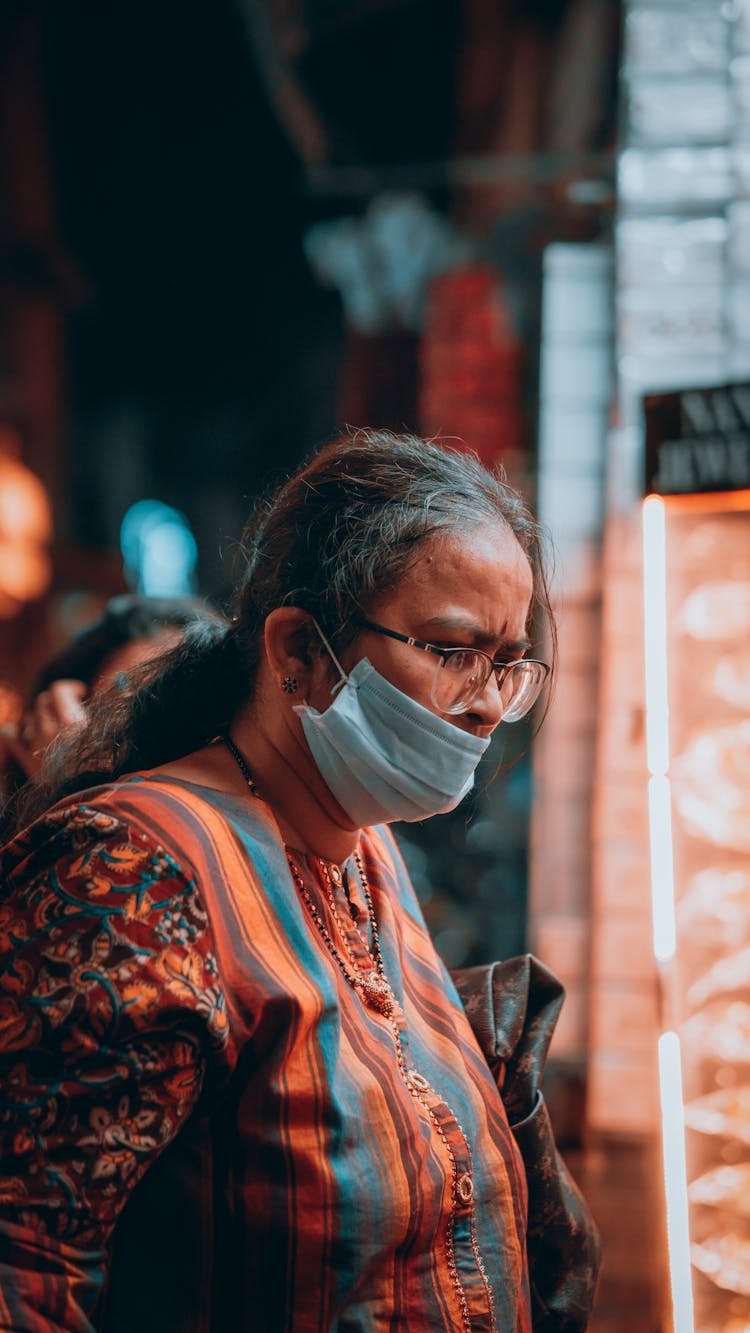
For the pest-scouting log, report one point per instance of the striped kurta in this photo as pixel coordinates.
(204, 1127)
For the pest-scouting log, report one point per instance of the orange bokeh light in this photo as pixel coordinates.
(25, 532)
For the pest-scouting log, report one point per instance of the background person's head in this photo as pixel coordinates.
(132, 629)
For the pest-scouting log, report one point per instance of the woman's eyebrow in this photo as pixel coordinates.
(473, 632)
(515, 646)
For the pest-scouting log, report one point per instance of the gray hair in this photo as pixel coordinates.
(344, 528)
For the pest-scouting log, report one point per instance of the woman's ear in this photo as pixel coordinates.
(293, 651)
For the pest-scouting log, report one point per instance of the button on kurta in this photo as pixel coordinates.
(465, 1188)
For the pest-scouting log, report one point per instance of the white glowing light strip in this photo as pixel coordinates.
(655, 626)
(657, 727)
(675, 1181)
(662, 868)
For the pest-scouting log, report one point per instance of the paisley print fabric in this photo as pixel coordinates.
(110, 1009)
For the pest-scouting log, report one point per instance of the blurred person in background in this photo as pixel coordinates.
(241, 1090)
(132, 629)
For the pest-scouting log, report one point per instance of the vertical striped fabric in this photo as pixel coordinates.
(313, 1180)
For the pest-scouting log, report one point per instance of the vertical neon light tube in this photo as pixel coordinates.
(662, 868)
(663, 903)
(657, 726)
(655, 626)
(675, 1181)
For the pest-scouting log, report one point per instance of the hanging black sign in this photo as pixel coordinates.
(698, 440)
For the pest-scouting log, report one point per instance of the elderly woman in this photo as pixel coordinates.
(241, 1092)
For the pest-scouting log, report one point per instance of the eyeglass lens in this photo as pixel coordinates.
(520, 689)
(461, 678)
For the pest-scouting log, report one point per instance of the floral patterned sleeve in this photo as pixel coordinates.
(111, 1017)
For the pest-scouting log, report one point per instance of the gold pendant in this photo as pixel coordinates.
(376, 992)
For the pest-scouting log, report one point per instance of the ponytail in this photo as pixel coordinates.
(174, 704)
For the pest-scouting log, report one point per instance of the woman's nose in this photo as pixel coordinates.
(487, 709)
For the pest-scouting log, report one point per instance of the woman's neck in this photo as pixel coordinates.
(286, 778)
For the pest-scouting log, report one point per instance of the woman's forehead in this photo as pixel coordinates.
(490, 554)
(481, 574)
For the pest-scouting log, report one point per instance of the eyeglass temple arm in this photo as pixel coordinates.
(407, 638)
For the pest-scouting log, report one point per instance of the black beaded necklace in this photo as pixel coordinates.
(241, 762)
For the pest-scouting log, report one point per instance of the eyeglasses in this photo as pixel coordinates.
(462, 675)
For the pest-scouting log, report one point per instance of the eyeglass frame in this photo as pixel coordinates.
(445, 653)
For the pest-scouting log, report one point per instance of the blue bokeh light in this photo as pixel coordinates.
(159, 550)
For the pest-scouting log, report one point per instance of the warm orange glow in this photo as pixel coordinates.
(712, 502)
(25, 570)
(24, 507)
(696, 585)
(11, 704)
(25, 531)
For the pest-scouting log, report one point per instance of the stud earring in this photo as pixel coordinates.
(290, 685)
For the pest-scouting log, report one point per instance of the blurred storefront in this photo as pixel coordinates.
(697, 604)
(670, 896)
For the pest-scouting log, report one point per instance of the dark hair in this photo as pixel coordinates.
(339, 532)
(126, 619)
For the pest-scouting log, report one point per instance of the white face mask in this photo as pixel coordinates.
(383, 755)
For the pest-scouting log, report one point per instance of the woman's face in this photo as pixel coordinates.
(468, 589)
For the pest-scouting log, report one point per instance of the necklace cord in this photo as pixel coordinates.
(240, 760)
